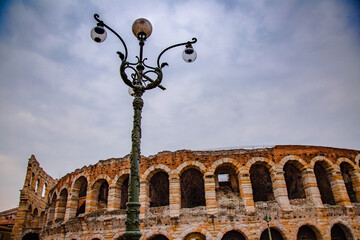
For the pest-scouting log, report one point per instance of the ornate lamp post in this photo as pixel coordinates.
(138, 83)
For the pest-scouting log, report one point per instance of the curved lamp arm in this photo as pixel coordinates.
(102, 24)
(194, 40)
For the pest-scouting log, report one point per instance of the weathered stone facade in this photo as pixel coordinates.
(309, 193)
(7, 220)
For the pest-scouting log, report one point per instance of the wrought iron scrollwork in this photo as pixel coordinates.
(194, 40)
(136, 75)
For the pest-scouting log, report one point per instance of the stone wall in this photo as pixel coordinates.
(209, 195)
(31, 211)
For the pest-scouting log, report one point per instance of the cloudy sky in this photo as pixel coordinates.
(267, 73)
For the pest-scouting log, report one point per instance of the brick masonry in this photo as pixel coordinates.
(56, 207)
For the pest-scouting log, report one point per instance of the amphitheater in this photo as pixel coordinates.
(296, 192)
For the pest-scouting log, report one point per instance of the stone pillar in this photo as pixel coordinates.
(339, 189)
(310, 187)
(91, 200)
(175, 195)
(355, 178)
(58, 209)
(279, 189)
(32, 182)
(114, 198)
(143, 198)
(19, 220)
(71, 206)
(28, 178)
(210, 194)
(40, 187)
(246, 190)
(51, 212)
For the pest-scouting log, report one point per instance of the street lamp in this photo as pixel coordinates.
(138, 83)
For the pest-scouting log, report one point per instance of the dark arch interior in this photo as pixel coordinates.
(83, 188)
(82, 195)
(124, 193)
(261, 183)
(323, 183)
(337, 233)
(192, 189)
(293, 181)
(31, 236)
(233, 235)
(159, 237)
(159, 189)
(346, 174)
(81, 209)
(275, 235)
(306, 233)
(103, 195)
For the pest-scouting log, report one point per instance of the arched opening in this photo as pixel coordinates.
(31, 236)
(233, 235)
(124, 195)
(44, 190)
(195, 236)
(61, 205)
(79, 193)
(159, 237)
(101, 193)
(306, 233)
(340, 232)
(159, 189)
(227, 186)
(293, 181)
(226, 178)
(275, 235)
(323, 182)
(192, 188)
(36, 212)
(261, 183)
(346, 171)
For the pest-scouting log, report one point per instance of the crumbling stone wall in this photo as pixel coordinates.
(305, 191)
(33, 196)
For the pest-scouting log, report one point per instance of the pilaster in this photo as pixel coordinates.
(210, 194)
(310, 187)
(279, 189)
(174, 195)
(246, 190)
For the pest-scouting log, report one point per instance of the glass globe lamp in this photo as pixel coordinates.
(98, 34)
(142, 28)
(189, 55)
